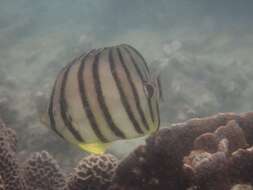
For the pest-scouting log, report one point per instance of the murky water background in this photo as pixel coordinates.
(204, 48)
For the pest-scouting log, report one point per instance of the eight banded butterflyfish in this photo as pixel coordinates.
(105, 95)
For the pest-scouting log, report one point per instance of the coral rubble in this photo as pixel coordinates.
(203, 153)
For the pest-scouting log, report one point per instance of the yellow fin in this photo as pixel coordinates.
(95, 148)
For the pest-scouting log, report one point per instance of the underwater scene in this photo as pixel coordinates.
(126, 95)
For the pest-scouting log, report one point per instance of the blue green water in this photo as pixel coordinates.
(203, 47)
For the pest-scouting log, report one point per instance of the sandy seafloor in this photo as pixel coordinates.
(203, 49)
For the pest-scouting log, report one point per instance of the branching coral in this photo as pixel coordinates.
(208, 153)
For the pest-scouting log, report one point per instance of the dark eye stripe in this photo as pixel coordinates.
(149, 90)
(64, 106)
(101, 100)
(122, 95)
(134, 90)
(85, 102)
(143, 83)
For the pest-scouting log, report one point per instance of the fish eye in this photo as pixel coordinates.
(149, 90)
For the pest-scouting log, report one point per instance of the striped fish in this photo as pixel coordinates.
(105, 95)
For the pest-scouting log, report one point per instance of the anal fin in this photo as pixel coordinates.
(95, 148)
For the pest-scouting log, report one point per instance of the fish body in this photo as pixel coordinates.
(105, 95)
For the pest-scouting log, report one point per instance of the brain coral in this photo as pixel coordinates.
(94, 171)
(42, 172)
(9, 169)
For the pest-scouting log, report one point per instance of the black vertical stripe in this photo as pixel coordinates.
(64, 107)
(51, 113)
(85, 102)
(160, 88)
(142, 58)
(101, 99)
(143, 83)
(122, 95)
(133, 87)
(158, 114)
(51, 103)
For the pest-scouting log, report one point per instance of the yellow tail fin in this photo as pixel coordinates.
(95, 148)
